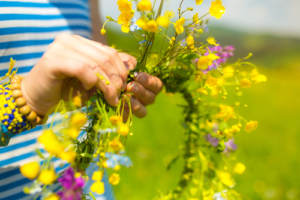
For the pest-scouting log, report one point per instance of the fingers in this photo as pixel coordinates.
(138, 109)
(149, 82)
(85, 60)
(129, 61)
(106, 62)
(110, 91)
(111, 57)
(145, 96)
(144, 90)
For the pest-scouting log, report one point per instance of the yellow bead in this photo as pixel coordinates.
(16, 79)
(20, 101)
(25, 110)
(32, 116)
(39, 120)
(16, 93)
(15, 86)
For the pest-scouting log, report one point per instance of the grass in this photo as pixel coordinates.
(271, 153)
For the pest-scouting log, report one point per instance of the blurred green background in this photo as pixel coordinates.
(271, 153)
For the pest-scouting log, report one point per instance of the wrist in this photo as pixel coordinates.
(23, 102)
(28, 91)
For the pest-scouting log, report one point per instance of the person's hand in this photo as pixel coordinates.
(144, 89)
(71, 63)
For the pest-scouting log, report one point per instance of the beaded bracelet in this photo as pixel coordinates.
(15, 115)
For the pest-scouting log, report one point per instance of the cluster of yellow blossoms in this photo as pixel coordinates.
(150, 24)
(126, 15)
(62, 147)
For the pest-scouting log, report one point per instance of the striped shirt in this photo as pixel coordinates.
(27, 27)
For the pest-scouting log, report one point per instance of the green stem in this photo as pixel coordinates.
(190, 144)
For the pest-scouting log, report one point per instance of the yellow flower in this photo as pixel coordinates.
(30, 170)
(51, 142)
(115, 119)
(73, 132)
(103, 31)
(144, 5)
(217, 9)
(205, 61)
(211, 81)
(251, 126)
(117, 167)
(77, 101)
(151, 26)
(245, 83)
(196, 18)
(163, 21)
(123, 129)
(226, 112)
(239, 168)
(124, 5)
(47, 176)
(256, 77)
(125, 29)
(179, 25)
(116, 144)
(260, 78)
(97, 176)
(78, 120)
(52, 197)
(141, 23)
(114, 179)
(212, 41)
(190, 42)
(228, 72)
(126, 15)
(199, 2)
(68, 156)
(98, 187)
(226, 178)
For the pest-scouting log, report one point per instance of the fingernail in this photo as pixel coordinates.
(130, 86)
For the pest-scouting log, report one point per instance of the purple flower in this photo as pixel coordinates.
(212, 140)
(72, 186)
(230, 146)
(222, 52)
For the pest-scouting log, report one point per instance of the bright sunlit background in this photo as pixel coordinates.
(270, 29)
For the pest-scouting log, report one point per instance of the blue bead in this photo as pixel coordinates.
(5, 105)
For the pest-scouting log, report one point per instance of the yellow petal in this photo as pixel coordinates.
(98, 187)
(30, 170)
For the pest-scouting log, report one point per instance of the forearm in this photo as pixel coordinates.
(96, 22)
